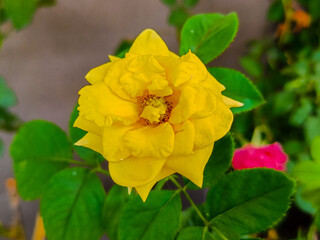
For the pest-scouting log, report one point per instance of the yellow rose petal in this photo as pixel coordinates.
(144, 190)
(149, 42)
(191, 166)
(87, 125)
(97, 74)
(101, 106)
(92, 141)
(151, 141)
(113, 143)
(135, 171)
(183, 139)
(212, 128)
(231, 103)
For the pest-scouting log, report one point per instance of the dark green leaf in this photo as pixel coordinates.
(283, 102)
(276, 12)
(76, 134)
(113, 207)
(7, 96)
(38, 152)
(8, 121)
(190, 3)
(123, 48)
(20, 11)
(314, 8)
(157, 218)
(178, 17)
(202, 233)
(219, 161)
(208, 35)
(72, 204)
(238, 87)
(249, 201)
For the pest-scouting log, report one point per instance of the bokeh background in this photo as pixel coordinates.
(45, 64)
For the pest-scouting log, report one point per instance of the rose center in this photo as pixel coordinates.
(154, 109)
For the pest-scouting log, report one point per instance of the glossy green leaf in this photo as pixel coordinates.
(190, 3)
(113, 207)
(208, 35)
(238, 87)
(38, 150)
(157, 218)
(219, 161)
(202, 233)
(76, 134)
(315, 148)
(249, 201)
(7, 96)
(20, 11)
(72, 204)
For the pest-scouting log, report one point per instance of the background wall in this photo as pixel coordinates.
(46, 63)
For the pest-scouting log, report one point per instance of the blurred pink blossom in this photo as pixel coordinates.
(269, 156)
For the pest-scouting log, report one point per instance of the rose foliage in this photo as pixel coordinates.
(149, 114)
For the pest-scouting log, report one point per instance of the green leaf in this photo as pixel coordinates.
(1, 148)
(315, 148)
(123, 48)
(219, 161)
(76, 134)
(157, 218)
(190, 3)
(113, 207)
(311, 128)
(252, 66)
(314, 8)
(46, 3)
(238, 87)
(8, 120)
(20, 11)
(308, 174)
(202, 233)
(38, 150)
(169, 2)
(301, 113)
(72, 204)
(208, 35)
(249, 201)
(7, 96)
(276, 12)
(178, 17)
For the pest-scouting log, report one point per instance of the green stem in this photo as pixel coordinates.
(71, 161)
(99, 169)
(183, 189)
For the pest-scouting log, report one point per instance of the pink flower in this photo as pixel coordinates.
(269, 156)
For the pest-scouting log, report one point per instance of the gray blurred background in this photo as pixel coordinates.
(45, 64)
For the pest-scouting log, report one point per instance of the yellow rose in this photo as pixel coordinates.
(152, 114)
